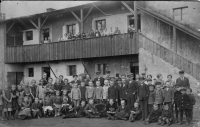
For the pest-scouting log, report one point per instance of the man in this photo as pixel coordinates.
(131, 90)
(98, 78)
(108, 75)
(44, 78)
(182, 81)
(76, 80)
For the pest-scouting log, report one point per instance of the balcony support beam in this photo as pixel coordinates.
(126, 5)
(44, 21)
(135, 16)
(87, 14)
(33, 24)
(79, 20)
(81, 12)
(10, 27)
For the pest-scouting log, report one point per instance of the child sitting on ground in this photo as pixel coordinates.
(80, 110)
(154, 115)
(71, 112)
(122, 112)
(65, 103)
(136, 113)
(57, 103)
(47, 107)
(166, 117)
(25, 111)
(111, 109)
(35, 109)
(90, 110)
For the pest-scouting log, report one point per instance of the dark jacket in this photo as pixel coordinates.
(168, 95)
(151, 98)
(111, 108)
(176, 96)
(143, 92)
(80, 110)
(77, 81)
(83, 90)
(184, 102)
(193, 101)
(155, 114)
(113, 92)
(167, 113)
(67, 87)
(131, 88)
(122, 91)
(183, 83)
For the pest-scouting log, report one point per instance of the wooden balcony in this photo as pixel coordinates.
(77, 49)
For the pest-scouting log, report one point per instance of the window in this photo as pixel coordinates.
(29, 35)
(45, 33)
(179, 12)
(131, 21)
(30, 72)
(101, 24)
(71, 29)
(72, 70)
(101, 68)
(47, 71)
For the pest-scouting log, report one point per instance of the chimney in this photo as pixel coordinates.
(2, 16)
(50, 9)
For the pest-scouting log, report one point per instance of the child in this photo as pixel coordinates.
(149, 82)
(27, 91)
(20, 94)
(136, 113)
(151, 98)
(41, 90)
(76, 95)
(89, 94)
(193, 101)
(66, 86)
(98, 93)
(168, 95)
(184, 104)
(83, 91)
(14, 101)
(105, 91)
(166, 117)
(57, 102)
(177, 93)
(123, 95)
(158, 95)
(47, 107)
(154, 115)
(35, 109)
(41, 107)
(122, 112)
(49, 87)
(111, 109)
(57, 85)
(71, 112)
(7, 102)
(1, 104)
(90, 110)
(25, 111)
(65, 103)
(113, 92)
(80, 110)
(33, 90)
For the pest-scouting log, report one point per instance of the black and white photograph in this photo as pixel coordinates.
(99, 63)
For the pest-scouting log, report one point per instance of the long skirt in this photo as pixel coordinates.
(25, 113)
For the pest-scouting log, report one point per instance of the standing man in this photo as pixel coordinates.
(98, 78)
(182, 81)
(76, 80)
(44, 78)
(131, 90)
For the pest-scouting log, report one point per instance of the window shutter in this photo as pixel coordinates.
(64, 30)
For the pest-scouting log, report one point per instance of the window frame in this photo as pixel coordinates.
(96, 22)
(29, 74)
(73, 30)
(69, 70)
(26, 32)
(181, 9)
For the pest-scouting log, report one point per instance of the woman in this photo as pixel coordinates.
(25, 111)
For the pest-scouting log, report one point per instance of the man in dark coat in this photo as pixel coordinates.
(143, 92)
(113, 92)
(182, 81)
(98, 78)
(131, 90)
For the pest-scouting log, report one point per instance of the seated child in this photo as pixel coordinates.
(25, 111)
(166, 117)
(122, 112)
(111, 109)
(71, 112)
(35, 109)
(65, 103)
(154, 115)
(80, 110)
(57, 103)
(47, 107)
(136, 113)
(90, 110)
(7, 102)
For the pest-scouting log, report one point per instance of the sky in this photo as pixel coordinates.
(24, 8)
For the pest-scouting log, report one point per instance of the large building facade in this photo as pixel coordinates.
(166, 41)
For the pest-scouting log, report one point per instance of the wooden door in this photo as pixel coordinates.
(19, 77)
(11, 78)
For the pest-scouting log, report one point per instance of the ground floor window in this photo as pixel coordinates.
(72, 70)
(101, 68)
(30, 72)
(47, 70)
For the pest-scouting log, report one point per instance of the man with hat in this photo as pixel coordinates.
(98, 78)
(107, 75)
(184, 103)
(76, 80)
(182, 80)
(131, 90)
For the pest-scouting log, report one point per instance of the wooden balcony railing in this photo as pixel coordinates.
(86, 48)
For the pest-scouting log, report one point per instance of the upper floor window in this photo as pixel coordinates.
(46, 33)
(101, 24)
(29, 35)
(71, 28)
(101, 68)
(179, 12)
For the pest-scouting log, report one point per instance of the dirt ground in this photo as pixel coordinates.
(86, 122)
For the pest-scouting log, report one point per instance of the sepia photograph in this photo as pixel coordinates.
(99, 63)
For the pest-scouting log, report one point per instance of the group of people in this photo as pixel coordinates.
(120, 97)
(91, 34)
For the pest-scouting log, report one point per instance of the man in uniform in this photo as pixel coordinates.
(98, 78)
(182, 81)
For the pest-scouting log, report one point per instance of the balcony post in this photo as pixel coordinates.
(39, 29)
(135, 16)
(81, 22)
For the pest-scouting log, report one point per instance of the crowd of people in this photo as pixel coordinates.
(118, 98)
(96, 33)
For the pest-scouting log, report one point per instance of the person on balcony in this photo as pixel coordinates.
(46, 41)
(66, 35)
(97, 33)
(92, 34)
(101, 32)
(111, 32)
(83, 35)
(106, 32)
(117, 31)
(78, 35)
(131, 30)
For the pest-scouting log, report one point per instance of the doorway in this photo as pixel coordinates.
(134, 68)
(46, 70)
(14, 78)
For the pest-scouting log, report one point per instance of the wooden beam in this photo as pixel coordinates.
(39, 29)
(81, 21)
(44, 21)
(10, 27)
(174, 39)
(23, 23)
(126, 5)
(33, 24)
(135, 16)
(87, 14)
(76, 16)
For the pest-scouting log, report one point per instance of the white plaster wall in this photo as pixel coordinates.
(119, 20)
(35, 37)
(60, 68)
(2, 42)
